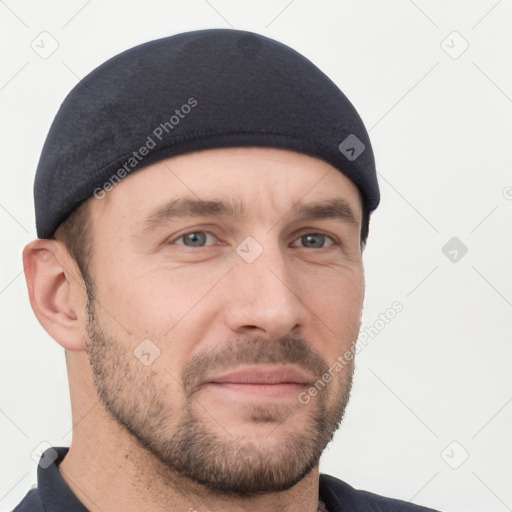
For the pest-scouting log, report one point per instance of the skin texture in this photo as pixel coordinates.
(162, 435)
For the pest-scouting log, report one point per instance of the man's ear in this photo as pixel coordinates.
(56, 291)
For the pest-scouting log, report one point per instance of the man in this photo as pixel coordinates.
(202, 203)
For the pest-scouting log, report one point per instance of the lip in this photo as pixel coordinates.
(262, 375)
(267, 382)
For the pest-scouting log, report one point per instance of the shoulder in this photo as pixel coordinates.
(30, 503)
(338, 495)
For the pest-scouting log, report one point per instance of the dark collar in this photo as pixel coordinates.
(54, 492)
(57, 496)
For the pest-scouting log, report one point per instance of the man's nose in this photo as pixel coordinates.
(264, 297)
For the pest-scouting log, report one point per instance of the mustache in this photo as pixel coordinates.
(252, 350)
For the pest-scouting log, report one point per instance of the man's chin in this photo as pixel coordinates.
(264, 456)
(250, 469)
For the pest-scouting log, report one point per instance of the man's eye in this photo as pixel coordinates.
(194, 239)
(201, 239)
(314, 241)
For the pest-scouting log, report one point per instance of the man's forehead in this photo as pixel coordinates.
(214, 182)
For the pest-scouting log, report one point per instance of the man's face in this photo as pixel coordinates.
(242, 312)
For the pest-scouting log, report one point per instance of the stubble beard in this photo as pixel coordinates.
(193, 445)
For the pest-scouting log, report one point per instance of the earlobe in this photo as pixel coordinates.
(55, 291)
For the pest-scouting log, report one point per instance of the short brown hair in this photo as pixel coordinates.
(76, 234)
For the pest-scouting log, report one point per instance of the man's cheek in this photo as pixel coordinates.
(337, 309)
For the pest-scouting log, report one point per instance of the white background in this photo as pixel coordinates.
(441, 130)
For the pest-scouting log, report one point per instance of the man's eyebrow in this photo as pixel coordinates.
(336, 208)
(191, 207)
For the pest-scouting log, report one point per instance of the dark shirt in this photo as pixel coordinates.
(54, 495)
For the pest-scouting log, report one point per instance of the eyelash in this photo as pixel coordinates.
(331, 238)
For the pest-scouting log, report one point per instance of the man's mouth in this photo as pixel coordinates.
(272, 381)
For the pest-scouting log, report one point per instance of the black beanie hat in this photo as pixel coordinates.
(192, 91)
